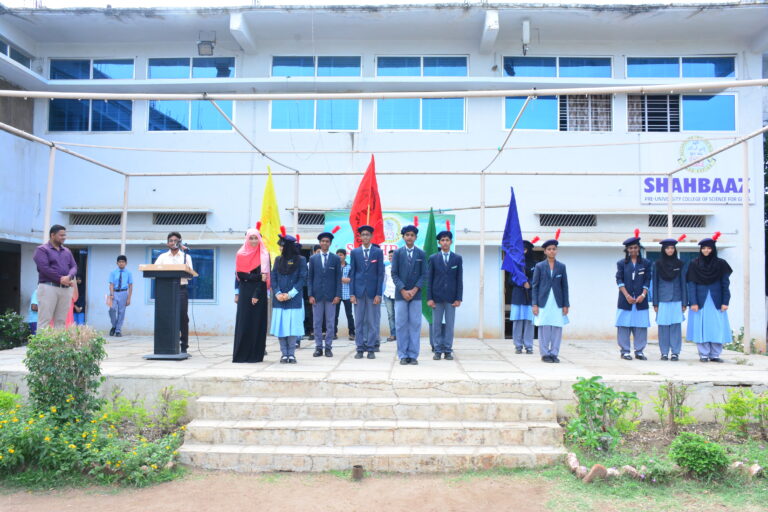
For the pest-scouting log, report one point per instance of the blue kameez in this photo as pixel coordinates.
(551, 314)
(708, 324)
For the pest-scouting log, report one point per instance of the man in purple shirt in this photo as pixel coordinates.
(56, 270)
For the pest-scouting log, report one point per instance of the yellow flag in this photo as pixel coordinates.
(270, 218)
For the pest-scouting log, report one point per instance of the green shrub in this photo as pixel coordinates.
(742, 411)
(602, 415)
(655, 469)
(14, 330)
(64, 375)
(698, 456)
(669, 405)
(131, 417)
(8, 400)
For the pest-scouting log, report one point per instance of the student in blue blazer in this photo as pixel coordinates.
(409, 268)
(367, 278)
(289, 276)
(550, 303)
(633, 277)
(709, 294)
(324, 288)
(670, 298)
(520, 311)
(445, 289)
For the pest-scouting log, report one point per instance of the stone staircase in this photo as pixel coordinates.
(395, 434)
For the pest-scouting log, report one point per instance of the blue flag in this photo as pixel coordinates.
(512, 244)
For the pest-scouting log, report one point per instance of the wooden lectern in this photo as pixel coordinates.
(167, 308)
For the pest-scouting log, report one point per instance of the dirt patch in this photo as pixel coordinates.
(208, 492)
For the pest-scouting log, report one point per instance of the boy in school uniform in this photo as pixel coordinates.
(409, 268)
(324, 289)
(345, 280)
(445, 271)
(120, 291)
(367, 275)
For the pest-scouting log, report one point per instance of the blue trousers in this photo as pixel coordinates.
(408, 317)
(670, 339)
(368, 317)
(641, 338)
(710, 349)
(549, 340)
(324, 314)
(117, 311)
(443, 337)
(522, 333)
(288, 345)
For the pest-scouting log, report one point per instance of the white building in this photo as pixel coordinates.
(421, 46)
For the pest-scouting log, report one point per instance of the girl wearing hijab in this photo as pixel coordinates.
(252, 270)
(520, 312)
(633, 277)
(550, 303)
(289, 276)
(708, 296)
(670, 298)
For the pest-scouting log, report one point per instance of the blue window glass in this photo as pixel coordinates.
(594, 67)
(20, 57)
(442, 114)
(69, 69)
(709, 67)
(540, 114)
(338, 66)
(293, 114)
(530, 66)
(213, 67)
(168, 68)
(206, 117)
(293, 66)
(398, 114)
(398, 66)
(709, 113)
(168, 115)
(113, 68)
(445, 66)
(68, 115)
(337, 114)
(3, 48)
(203, 286)
(111, 116)
(653, 67)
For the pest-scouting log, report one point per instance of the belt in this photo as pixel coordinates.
(183, 286)
(122, 290)
(57, 285)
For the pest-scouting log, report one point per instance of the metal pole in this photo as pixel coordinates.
(745, 247)
(124, 218)
(669, 206)
(296, 203)
(49, 193)
(481, 289)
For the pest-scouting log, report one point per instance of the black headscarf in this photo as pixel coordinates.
(668, 267)
(290, 258)
(708, 269)
(530, 262)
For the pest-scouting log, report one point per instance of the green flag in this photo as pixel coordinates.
(430, 248)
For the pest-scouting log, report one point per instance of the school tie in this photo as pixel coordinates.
(365, 254)
(410, 254)
(120, 280)
(445, 257)
(325, 256)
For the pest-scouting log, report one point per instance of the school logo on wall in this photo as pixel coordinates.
(693, 149)
(391, 230)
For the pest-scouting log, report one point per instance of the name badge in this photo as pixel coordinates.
(331, 268)
(641, 273)
(559, 275)
(454, 267)
(374, 261)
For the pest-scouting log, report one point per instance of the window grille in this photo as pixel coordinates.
(658, 113)
(591, 113)
(95, 219)
(311, 219)
(678, 221)
(179, 218)
(567, 220)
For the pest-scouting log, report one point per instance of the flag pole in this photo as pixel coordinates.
(368, 215)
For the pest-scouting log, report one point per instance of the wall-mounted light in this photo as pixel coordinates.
(206, 42)
(526, 35)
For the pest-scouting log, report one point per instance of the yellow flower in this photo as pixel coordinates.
(154, 466)
(41, 416)
(47, 439)
(104, 417)
(18, 406)
(109, 463)
(85, 434)
(15, 420)
(183, 428)
(11, 450)
(173, 435)
(1, 457)
(93, 421)
(72, 446)
(175, 452)
(53, 409)
(109, 436)
(143, 439)
(77, 420)
(30, 422)
(135, 453)
(167, 447)
(88, 445)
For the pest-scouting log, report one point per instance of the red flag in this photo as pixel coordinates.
(367, 207)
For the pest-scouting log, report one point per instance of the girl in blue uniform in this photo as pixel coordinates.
(520, 311)
(670, 298)
(550, 304)
(633, 277)
(708, 296)
(289, 276)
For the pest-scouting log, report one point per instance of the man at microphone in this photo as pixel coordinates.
(177, 255)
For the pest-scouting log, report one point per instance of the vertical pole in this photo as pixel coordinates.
(745, 246)
(124, 218)
(481, 288)
(49, 193)
(296, 203)
(669, 206)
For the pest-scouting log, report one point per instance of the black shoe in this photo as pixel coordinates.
(518, 350)
(665, 358)
(529, 351)
(371, 355)
(392, 338)
(376, 349)
(318, 352)
(674, 357)
(351, 337)
(414, 361)
(715, 360)
(359, 355)
(704, 359)
(405, 361)
(449, 357)
(283, 359)
(112, 331)
(265, 353)
(328, 353)
(640, 356)
(626, 357)
(335, 337)
(547, 359)
(291, 360)
(298, 343)
(118, 335)
(555, 359)
(436, 357)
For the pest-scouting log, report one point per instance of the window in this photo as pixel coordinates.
(685, 67)
(421, 66)
(289, 66)
(181, 115)
(540, 114)
(89, 115)
(709, 113)
(590, 67)
(84, 69)
(332, 115)
(565, 113)
(14, 53)
(656, 113)
(95, 219)
(567, 220)
(417, 113)
(3, 48)
(199, 67)
(678, 221)
(179, 218)
(201, 287)
(311, 219)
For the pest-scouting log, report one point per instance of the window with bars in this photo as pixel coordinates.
(678, 221)
(656, 113)
(95, 219)
(179, 218)
(567, 220)
(311, 219)
(586, 113)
